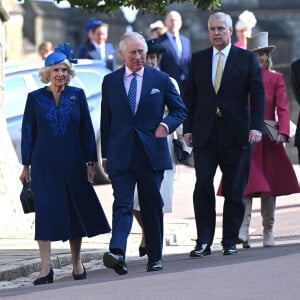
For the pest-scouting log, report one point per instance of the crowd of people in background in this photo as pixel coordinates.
(222, 95)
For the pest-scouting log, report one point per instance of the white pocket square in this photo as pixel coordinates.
(154, 91)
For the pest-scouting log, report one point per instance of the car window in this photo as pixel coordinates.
(89, 81)
(15, 96)
(38, 81)
(16, 89)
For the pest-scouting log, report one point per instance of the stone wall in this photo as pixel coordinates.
(44, 21)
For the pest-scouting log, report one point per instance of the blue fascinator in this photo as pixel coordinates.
(62, 52)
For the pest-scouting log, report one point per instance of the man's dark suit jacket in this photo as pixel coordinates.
(89, 51)
(119, 125)
(170, 63)
(295, 81)
(240, 97)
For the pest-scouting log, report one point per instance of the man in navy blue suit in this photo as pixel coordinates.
(177, 56)
(225, 102)
(134, 147)
(97, 46)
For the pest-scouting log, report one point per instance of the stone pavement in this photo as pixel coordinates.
(19, 257)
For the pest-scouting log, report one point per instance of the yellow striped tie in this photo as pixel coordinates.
(219, 72)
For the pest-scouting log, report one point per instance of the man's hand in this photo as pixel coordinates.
(91, 173)
(254, 136)
(188, 138)
(161, 132)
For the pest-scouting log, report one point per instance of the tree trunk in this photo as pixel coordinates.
(12, 218)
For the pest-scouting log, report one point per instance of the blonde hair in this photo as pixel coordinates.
(269, 62)
(44, 72)
(246, 20)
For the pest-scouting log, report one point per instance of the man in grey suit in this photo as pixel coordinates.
(134, 147)
(225, 101)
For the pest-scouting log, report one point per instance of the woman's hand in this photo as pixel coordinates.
(25, 175)
(281, 139)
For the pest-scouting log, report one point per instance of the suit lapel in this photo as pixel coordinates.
(208, 65)
(145, 87)
(172, 49)
(93, 52)
(230, 65)
(184, 53)
(120, 82)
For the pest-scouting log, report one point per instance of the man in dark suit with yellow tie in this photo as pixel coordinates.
(134, 147)
(225, 101)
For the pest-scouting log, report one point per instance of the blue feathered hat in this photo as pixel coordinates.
(62, 52)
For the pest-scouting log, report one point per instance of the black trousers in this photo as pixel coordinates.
(234, 161)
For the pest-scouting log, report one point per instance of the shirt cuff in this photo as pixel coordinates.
(165, 125)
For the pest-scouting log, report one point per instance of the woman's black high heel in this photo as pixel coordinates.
(46, 279)
(79, 276)
(142, 251)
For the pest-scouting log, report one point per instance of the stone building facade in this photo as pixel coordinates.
(42, 20)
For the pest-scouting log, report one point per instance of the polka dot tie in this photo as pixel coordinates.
(132, 93)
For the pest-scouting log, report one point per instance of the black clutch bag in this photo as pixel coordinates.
(26, 198)
(271, 129)
(180, 154)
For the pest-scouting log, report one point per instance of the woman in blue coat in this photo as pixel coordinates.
(58, 154)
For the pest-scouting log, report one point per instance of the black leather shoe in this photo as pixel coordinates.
(201, 250)
(142, 251)
(245, 244)
(45, 279)
(116, 262)
(79, 276)
(156, 265)
(229, 250)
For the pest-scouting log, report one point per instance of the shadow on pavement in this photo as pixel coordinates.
(178, 263)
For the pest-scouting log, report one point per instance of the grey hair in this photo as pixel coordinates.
(220, 15)
(131, 35)
(44, 72)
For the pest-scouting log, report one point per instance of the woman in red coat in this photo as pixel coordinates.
(271, 172)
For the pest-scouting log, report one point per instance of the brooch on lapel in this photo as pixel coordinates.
(73, 98)
(154, 91)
